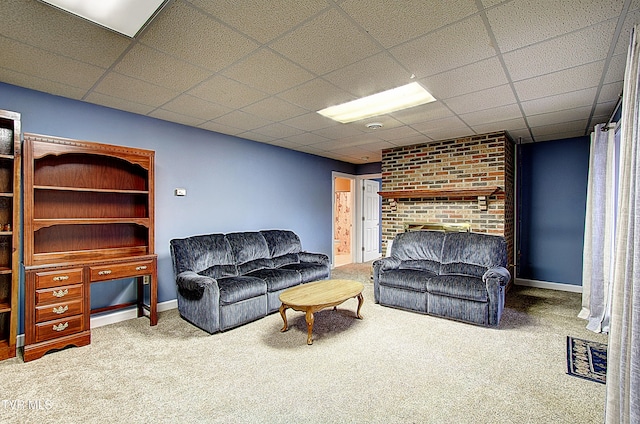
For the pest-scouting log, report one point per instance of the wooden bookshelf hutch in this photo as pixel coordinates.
(10, 130)
(88, 218)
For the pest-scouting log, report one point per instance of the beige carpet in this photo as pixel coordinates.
(391, 367)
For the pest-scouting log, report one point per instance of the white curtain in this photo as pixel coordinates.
(623, 355)
(599, 231)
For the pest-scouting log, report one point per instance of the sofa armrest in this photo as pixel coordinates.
(199, 300)
(379, 266)
(316, 258)
(499, 274)
(386, 263)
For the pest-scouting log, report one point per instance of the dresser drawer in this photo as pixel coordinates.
(59, 310)
(46, 279)
(58, 294)
(59, 328)
(116, 271)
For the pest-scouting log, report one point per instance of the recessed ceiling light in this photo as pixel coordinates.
(398, 98)
(374, 125)
(124, 16)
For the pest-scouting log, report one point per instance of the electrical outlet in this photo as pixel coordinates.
(180, 192)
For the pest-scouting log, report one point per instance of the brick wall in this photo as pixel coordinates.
(471, 162)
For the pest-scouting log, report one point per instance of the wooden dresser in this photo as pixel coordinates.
(88, 219)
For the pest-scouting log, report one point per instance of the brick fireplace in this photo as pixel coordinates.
(467, 180)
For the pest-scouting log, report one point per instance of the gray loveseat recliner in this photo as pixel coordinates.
(454, 275)
(226, 280)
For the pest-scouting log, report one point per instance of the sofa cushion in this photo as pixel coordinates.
(277, 279)
(410, 279)
(290, 258)
(198, 253)
(250, 266)
(236, 289)
(421, 265)
(418, 245)
(472, 253)
(308, 271)
(247, 246)
(461, 268)
(217, 271)
(281, 242)
(458, 286)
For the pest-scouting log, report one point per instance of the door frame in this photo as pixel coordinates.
(357, 185)
(360, 213)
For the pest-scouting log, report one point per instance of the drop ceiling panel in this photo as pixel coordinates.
(466, 79)
(326, 43)
(510, 125)
(559, 117)
(585, 46)
(520, 23)
(150, 65)
(260, 70)
(495, 114)
(485, 99)
(316, 95)
(117, 103)
(208, 43)
(41, 84)
(186, 104)
(242, 120)
(263, 70)
(423, 113)
(20, 58)
(369, 76)
(227, 92)
(171, 116)
(261, 20)
(61, 33)
(448, 48)
(566, 81)
(310, 122)
(559, 102)
(130, 89)
(394, 22)
(274, 109)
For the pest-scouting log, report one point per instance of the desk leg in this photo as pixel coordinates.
(140, 283)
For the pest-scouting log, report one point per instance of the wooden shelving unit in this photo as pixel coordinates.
(10, 130)
(89, 217)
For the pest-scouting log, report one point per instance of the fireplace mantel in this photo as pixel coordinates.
(454, 193)
(479, 194)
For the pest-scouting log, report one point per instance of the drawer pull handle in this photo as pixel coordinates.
(60, 327)
(105, 272)
(141, 268)
(61, 278)
(60, 293)
(61, 309)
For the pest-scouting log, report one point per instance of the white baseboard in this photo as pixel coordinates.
(113, 317)
(547, 285)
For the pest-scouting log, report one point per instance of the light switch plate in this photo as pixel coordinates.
(181, 192)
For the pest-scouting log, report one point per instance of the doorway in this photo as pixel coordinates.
(343, 219)
(356, 218)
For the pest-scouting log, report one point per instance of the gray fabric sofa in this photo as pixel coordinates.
(456, 275)
(226, 280)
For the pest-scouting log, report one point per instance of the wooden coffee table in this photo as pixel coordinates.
(312, 297)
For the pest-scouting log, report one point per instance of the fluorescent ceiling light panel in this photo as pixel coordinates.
(398, 98)
(124, 16)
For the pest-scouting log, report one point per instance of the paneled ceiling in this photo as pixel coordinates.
(259, 70)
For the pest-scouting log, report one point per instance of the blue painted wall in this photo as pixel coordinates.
(232, 184)
(552, 191)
